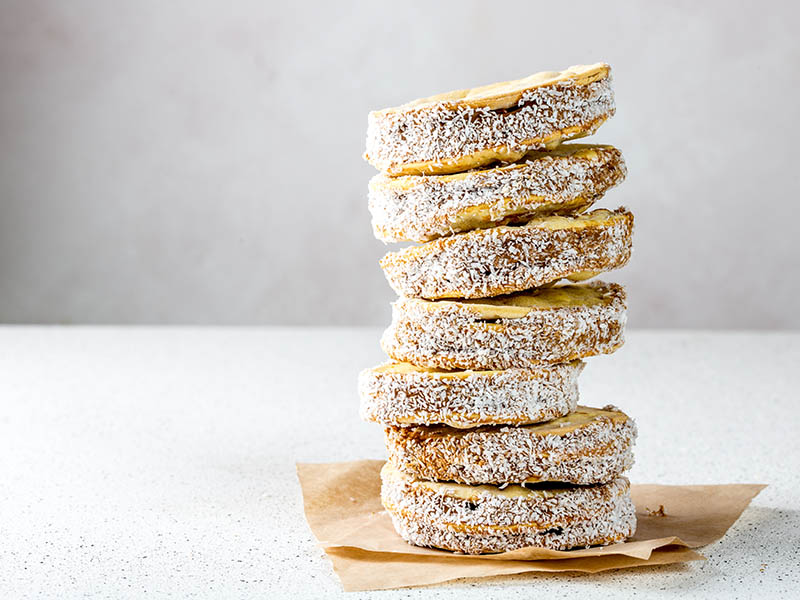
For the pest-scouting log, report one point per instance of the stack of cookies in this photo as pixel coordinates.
(488, 448)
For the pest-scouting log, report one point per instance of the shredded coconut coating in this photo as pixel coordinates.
(512, 396)
(437, 139)
(423, 208)
(596, 451)
(489, 521)
(506, 259)
(453, 335)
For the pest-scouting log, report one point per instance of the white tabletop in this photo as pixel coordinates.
(160, 462)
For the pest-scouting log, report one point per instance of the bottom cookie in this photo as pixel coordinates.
(485, 519)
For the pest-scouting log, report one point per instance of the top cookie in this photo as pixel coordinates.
(460, 130)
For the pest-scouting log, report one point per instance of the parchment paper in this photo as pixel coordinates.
(343, 509)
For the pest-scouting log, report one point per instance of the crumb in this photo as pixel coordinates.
(659, 512)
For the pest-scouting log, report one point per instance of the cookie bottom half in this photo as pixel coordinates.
(488, 519)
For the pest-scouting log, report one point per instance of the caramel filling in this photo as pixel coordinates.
(474, 492)
(580, 417)
(404, 368)
(592, 152)
(516, 306)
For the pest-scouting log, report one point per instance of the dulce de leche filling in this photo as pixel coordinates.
(473, 492)
(582, 416)
(516, 306)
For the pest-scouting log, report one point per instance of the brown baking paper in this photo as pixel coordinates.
(344, 511)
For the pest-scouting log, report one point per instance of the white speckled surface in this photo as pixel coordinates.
(160, 462)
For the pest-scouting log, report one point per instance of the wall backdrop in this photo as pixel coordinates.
(200, 162)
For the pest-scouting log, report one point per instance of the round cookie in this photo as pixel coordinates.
(403, 394)
(543, 326)
(506, 259)
(420, 208)
(587, 446)
(464, 129)
(486, 519)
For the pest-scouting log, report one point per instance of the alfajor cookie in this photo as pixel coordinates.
(589, 445)
(403, 394)
(460, 130)
(506, 259)
(529, 329)
(420, 208)
(486, 519)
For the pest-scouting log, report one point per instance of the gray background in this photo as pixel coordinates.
(199, 162)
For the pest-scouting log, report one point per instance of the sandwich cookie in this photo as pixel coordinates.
(587, 446)
(420, 208)
(530, 329)
(507, 259)
(464, 129)
(403, 394)
(485, 519)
